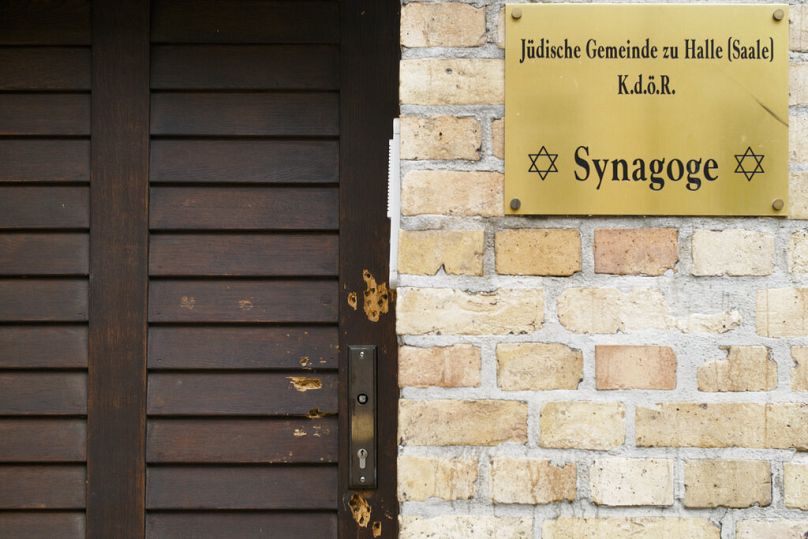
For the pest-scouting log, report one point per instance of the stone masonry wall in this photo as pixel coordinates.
(642, 378)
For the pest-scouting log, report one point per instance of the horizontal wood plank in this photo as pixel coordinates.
(256, 394)
(249, 21)
(245, 67)
(244, 161)
(243, 208)
(44, 114)
(241, 441)
(43, 440)
(44, 207)
(244, 114)
(274, 525)
(283, 487)
(27, 347)
(43, 393)
(45, 22)
(23, 300)
(241, 348)
(44, 68)
(39, 525)
(241, 255)
(44, 161)
(44, 254)
(242, 301)
(42, 487)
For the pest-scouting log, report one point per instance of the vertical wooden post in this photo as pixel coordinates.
(368, 104)
(118, 270)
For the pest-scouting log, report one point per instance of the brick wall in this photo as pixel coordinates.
(587, 377)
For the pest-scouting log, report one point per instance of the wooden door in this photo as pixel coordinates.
(190, 192)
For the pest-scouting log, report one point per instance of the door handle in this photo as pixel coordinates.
(362, 409)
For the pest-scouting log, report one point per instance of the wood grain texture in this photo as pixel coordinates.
(44, 114)
(245, 67)
(275, 255)
(44, 207)
(244, 161)
(44, 161)
(243, 208)
(40, 300)
(282, 487)
(253, 21)
(369, 102)
(44, 68)
(241, 348)
(274, 525)
(242, 301)
(43, 440)
(44, 254)
(45, 22)
(116, 429)
(27, 347)
(43, 393)
(42, 487)
(38, 525)
(244, 114)
(251, 394)
(241, 441)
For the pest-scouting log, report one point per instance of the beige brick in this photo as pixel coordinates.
(798, 136)
(720, 322)
(448, 24)
(630, 528)
(798, 252)
(798, 195)
(445, 366)
(501, 28)
(754, 425)
(798, 84)
(727, 483)
(531, 481)
(498, 138)
(746, 368)
(457, 81)
(732, 252)
(534, 251)
(798, 17)
(636, 251)
(538, 367)
(452, 193)
(635, 367)
(608, 310)
(466, 527)
(795, 481)
(782, 312)
(772, 529)
(445, 310)
(631, 482)
(799, 374)
(424, 252)
(440, 138)
(455, 422)
(582, 425)
(421, 478)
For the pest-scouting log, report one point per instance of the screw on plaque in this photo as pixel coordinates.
(516, 204)
(778, 204)
(778, 15)
(362, 398)
(516, 13)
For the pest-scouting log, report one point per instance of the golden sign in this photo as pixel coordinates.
(646, 109)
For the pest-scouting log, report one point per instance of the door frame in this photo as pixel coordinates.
(369, 75)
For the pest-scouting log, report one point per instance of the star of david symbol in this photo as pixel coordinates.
(754, 162)
(545, 160)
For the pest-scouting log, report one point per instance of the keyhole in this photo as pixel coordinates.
(363, 457)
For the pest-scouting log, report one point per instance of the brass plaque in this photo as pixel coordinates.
(616, 109)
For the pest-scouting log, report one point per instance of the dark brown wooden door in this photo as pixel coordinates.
(189, 191)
